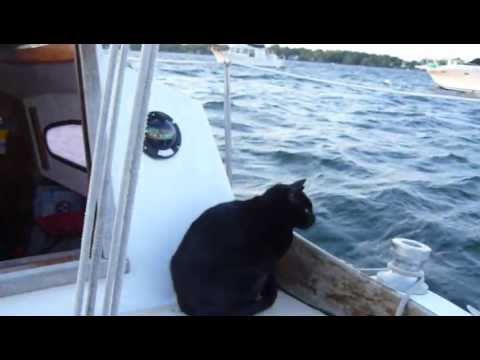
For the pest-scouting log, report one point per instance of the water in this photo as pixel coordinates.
(377, 165)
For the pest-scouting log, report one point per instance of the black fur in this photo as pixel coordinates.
(225, 263)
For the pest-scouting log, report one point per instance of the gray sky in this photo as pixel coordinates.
(407, 52)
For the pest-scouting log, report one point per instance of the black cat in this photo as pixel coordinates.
(225, 263)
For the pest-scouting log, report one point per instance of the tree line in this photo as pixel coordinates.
(203, 49)
(303, 54)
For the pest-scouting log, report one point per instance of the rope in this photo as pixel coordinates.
(362, 87)
(405, 297)
(473, 311)
(329, 82)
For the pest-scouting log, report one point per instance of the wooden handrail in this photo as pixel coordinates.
(43, 54)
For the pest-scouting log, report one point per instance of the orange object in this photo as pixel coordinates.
(42, 54)
(3, 135)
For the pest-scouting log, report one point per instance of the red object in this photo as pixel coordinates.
(18, 252)
(69, 224)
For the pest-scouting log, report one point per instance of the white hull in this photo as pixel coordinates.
(465, 78)
(242, 54)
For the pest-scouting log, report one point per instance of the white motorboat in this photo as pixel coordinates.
(79, 130)
(253, 54)
(457, 77)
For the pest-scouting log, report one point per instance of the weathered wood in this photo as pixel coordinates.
(334, 286)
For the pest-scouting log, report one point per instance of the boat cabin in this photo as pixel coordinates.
(44, 159)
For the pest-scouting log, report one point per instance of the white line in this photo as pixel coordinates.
(363, 87)
(329, 82)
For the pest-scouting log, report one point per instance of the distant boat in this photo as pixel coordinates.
(253, 54)
(457, 77)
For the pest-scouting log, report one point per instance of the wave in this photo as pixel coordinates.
(218, 105)
(449, 159)
(255, 77)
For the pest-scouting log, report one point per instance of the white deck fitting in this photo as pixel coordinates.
(439, 305)
(285, 305)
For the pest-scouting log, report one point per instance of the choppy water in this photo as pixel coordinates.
(378, 165)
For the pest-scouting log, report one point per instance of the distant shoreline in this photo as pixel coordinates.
(307, 55)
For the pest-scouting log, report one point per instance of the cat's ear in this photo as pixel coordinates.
(298, 185)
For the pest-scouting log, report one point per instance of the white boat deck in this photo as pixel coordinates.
(285, 305)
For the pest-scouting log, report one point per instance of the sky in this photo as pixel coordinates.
(406, 52)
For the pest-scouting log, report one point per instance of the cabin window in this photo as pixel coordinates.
(64, 141)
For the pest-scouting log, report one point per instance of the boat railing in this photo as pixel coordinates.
(95, 231)
(97, 179)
